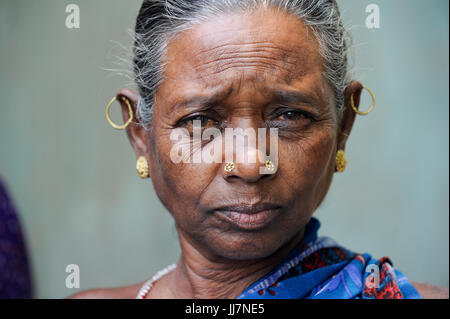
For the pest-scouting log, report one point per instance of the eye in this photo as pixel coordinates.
(205, 121)
(291, 115)
(290, 119)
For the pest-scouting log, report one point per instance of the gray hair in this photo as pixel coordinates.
(159, 20)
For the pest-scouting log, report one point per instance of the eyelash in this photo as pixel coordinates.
(297, 112)
(190, 119)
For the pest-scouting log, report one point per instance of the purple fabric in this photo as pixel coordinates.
(15, 279)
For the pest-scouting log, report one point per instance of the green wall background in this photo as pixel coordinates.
(73, 179)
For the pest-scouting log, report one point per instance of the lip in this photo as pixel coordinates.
(247, 216)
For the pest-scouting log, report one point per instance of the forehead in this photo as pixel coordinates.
(267, 46)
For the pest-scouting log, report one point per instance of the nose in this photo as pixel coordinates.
(248, 160)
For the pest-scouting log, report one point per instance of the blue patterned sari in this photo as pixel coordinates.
(318, 268)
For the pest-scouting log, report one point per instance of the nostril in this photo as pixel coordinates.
(249, 173)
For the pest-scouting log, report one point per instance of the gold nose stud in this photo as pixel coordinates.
(228, 167)
(269, 165)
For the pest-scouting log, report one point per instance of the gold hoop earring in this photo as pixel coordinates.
(114, 125)
(228, 167)
(341, 161)
(352, 103)
(142, 167)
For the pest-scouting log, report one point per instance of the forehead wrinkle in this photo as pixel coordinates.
(288, 63)
(255, 52)
(238, 44)
(210, 48)
(250, 57)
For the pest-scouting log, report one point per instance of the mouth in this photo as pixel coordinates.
(249, 217)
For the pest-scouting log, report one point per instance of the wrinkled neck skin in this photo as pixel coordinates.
(202, 275)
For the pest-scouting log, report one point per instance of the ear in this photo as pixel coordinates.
(348, 118)
(137, 135)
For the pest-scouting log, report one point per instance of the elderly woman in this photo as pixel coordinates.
(245, 227)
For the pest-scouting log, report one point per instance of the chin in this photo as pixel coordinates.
(247, 246)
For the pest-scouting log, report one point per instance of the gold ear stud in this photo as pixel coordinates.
(142, 167)
(341, 161)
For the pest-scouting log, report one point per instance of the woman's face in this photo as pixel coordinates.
(255, 71)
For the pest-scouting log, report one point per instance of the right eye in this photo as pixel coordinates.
(205, 121)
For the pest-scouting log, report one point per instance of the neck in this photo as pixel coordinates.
(203, 276)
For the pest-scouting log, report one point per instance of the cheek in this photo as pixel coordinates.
(306, 162)
(184, 182)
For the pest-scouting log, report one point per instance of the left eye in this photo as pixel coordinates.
(291, 115)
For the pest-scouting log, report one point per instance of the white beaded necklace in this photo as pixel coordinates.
(145, 289)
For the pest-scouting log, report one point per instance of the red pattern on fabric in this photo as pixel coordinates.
(388, 287)
(325, 257)
(313, 262)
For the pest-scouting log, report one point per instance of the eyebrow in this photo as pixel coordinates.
(276, 95)
(205, 100)
(291, 97)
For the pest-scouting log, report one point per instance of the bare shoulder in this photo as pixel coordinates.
(128, 292)
(431, 292)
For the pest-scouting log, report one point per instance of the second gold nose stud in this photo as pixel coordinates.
(230, 166)
(269, 165)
